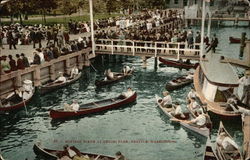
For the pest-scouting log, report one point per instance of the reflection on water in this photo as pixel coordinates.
(135, 129)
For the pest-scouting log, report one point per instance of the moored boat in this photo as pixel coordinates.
(55, 154)
(232, 152)
(246, 133)
(94, 107)
(209, 151)
(204, 131)
(49, 87)
(178, 64)
(234, 40)
(214, 83)
(178, 83)
(118, 77)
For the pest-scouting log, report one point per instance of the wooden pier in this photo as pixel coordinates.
(246, 142)
(44, 72)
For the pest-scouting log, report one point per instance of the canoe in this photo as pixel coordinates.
(49, 87)
(226, 155)
(119, 76)
(204, 131)
(94, 107)
(209, 151)
(246, 133)
(50, 154)
(14, 103)
(178, 83)
(177, 64)
(234, 40)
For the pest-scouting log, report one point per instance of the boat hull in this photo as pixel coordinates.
(53, 154)
(171, 87)
(60, 114)
(171, 63)
(50, 88)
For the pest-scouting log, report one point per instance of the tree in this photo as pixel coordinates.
(45, 6)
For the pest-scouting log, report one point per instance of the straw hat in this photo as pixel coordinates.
(27, 81)
(165, 93)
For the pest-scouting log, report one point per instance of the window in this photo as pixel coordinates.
(176, 2)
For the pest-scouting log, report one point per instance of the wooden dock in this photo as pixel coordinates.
(222, 19)
(44, 72)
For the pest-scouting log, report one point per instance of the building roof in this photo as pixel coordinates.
(221, 74)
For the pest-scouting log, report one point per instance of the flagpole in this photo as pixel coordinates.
(92, 26)
(202, 27)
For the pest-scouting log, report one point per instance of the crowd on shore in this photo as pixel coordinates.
(134, 27)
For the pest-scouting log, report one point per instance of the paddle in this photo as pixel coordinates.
(24, 104)
(97, 157)
(93, 67)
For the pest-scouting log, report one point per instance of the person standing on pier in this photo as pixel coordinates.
(214, 44)
(245, 81)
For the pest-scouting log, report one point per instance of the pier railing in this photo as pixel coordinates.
(148, 48)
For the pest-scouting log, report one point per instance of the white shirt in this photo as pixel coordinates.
(191, 94)
(61, 79)
(41, 55)
(226, 142)
(178, 110)
(167, 100)
(245, 80)
(75, 106)
(200, 120)
(74, 71)
(149, 26)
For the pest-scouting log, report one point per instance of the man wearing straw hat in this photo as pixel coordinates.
(245, 81)
(167, 100)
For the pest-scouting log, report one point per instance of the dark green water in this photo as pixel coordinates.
(125, 129)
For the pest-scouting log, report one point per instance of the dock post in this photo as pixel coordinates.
(52, 72)
(156, 63)
(80, 62)
(242, 45)
(67, 66)
(37, 77)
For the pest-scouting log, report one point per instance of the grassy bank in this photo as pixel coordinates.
(51, 20)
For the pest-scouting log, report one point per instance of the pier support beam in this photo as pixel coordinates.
(52, 72)
(242, 46)
(156, 63)
(37, 77)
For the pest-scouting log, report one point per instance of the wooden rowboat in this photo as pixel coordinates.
(94, 107)
(49, 87)
(177, 64)
(14, 103)
(246, 133)
(234, 40)
(223, 154)
(178, 83)
(55, 154)
(209, 151)
(204, 131)
(118, 77)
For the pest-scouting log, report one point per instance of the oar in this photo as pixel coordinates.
(93, 67)
(24, 105)
(97, 157)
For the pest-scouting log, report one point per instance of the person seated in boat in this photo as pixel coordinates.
(74, 72)
(232, 102)
(200, 120)
(110, 75)
(61, 78)
(188, 61)
(119, 156)
(69, 153)
(26, 91)
(166, 100)
(180, 60)
(191, 94)
(177, 111)
(194, 106)
(190, 75)
(225, 142)
(128, 93)
(126, 70)
(245, 82)
(73, 107)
